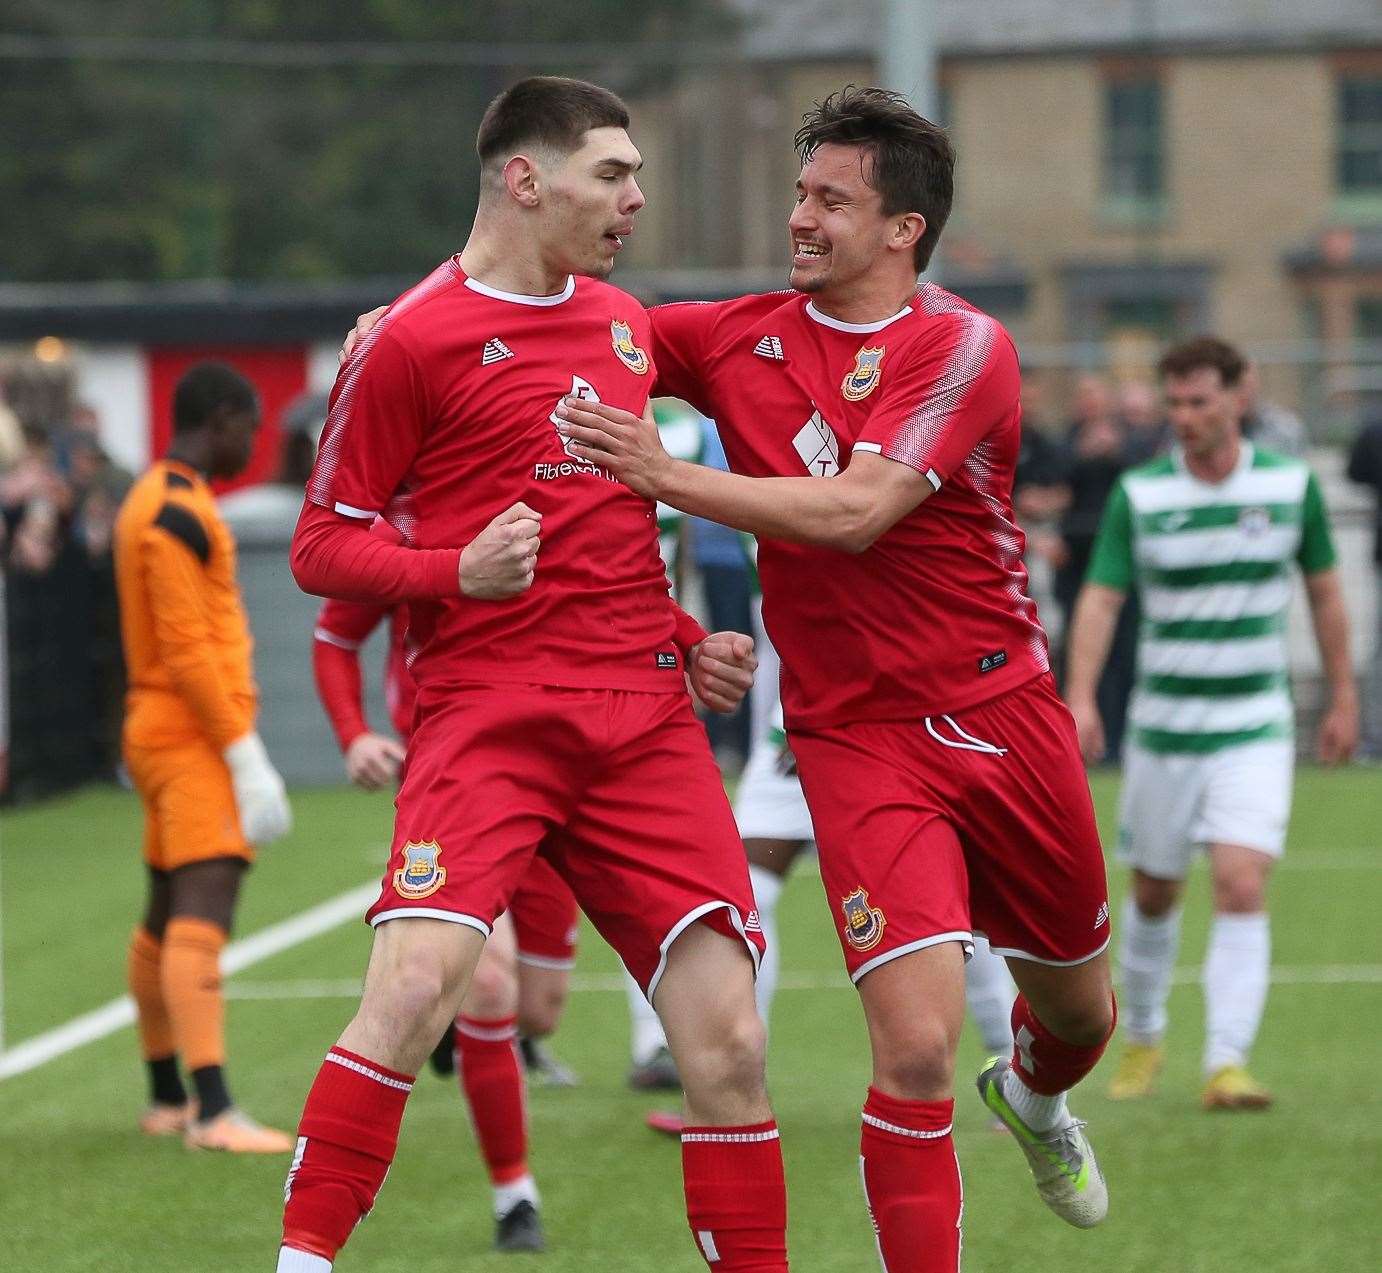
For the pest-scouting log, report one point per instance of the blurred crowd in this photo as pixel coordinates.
(58, 487)
(59, 495)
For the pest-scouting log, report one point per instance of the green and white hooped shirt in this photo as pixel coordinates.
(1211, 562)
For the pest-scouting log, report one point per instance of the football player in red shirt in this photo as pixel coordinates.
(520, 984)
(941, 769)
(552, 715)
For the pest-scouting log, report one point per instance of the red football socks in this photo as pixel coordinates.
(912, 1183)
(346, 1141)
(736, 1197)
(1045, 1064)
(492, 1082)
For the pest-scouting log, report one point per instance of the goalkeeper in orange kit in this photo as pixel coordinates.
(209, 790)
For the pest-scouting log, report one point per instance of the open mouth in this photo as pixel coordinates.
(615, 238)
(805, 253)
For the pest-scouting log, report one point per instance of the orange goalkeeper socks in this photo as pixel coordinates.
(192, 990)
(143, 975)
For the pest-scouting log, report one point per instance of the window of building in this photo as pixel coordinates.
(1134, 144)
(1360, 135)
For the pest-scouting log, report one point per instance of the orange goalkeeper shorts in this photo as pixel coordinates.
(189, 805)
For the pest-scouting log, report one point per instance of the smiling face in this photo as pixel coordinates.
(588, 200)
(842, 243)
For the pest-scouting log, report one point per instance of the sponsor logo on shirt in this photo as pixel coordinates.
(495, 351)
(864, 924)
(421, 874)
(1254, 521)
(864, 375)
(991, 661)
(770, 347)
(663, 659)
(629, 354)
(818, 447)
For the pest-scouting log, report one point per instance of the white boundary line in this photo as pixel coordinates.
(119, 1013)
(1299, 975)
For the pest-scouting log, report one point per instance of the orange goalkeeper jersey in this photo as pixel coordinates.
(187, 640)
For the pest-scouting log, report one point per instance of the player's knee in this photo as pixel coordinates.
(412, 996)
(918, 1063)
(493, 991)
(731, 1061)
(1240, 895)
(1086, 1023)
(539, 1013)
(1156, 898)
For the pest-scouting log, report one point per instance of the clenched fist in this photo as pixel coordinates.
(501, 560)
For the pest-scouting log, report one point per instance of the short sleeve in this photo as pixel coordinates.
(944, 398)
(378, 414)
(680, 337)
(1111, 561)
(1316, 540)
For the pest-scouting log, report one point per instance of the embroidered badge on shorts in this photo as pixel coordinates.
(420, 875)
(864, 924)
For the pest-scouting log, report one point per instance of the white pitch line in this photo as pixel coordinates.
(598, 983)
(119, 1013)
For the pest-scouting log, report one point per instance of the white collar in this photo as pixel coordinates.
(516, 298)
(1246, 451)
(826, 321)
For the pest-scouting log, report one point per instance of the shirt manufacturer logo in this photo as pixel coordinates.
(663, 659)
(770, 347)
(991, 661)
(818, 447)
(495, 351)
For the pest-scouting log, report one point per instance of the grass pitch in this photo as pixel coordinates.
(1291, 1189)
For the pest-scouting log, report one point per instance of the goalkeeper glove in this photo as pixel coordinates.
(260, 797)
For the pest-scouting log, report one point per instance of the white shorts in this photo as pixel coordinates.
(769, 805)
(1173, 805)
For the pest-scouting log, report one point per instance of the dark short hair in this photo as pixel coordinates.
(205, 388)
(546, 110)
(913, 160)
(1204, 351)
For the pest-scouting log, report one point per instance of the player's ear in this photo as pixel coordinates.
(907, 231)
(521, 180)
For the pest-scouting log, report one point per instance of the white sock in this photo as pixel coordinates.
(1235, 987)
(767, 888)
(1146, 960)
(990, 992)
(507, 1197)
(291, 1260)
(646, 1033)
(1040, 1113)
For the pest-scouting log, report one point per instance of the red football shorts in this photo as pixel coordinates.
(615, 789)
(978, 822)
(546, 919)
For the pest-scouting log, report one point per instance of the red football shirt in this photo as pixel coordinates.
(935, 617)
(444, 418)
(342, 628)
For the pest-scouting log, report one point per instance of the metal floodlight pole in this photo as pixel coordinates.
(907, 60)
(907, 52)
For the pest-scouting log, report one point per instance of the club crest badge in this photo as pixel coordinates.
(1254, 522)
(421, 875)
(864, 375)
(635, 359)
(864, 924)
